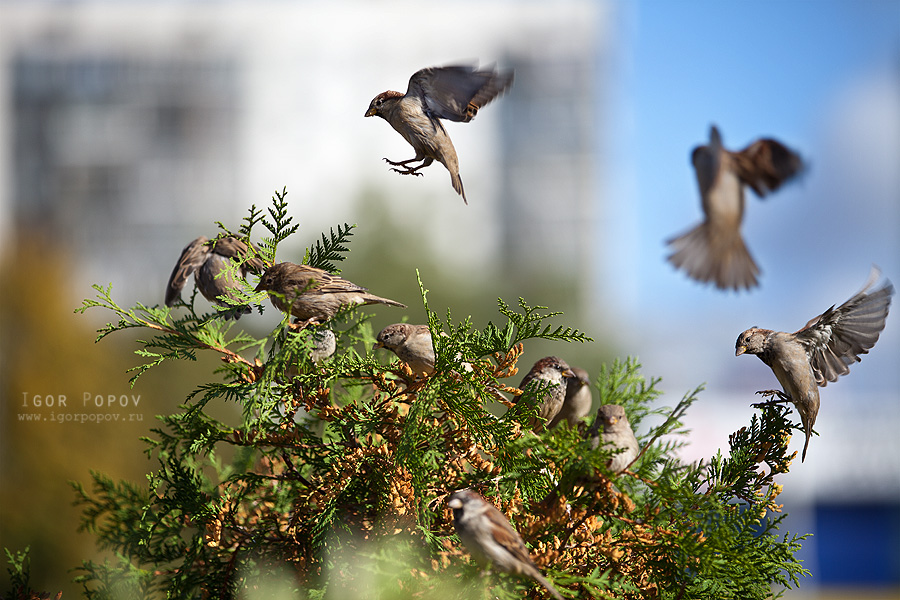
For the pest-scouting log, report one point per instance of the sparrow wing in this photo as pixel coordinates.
(456, 93)
(192, 258)
(230, 247)
(506, 536)
(835, 339)
(326, 283)
(766, 164)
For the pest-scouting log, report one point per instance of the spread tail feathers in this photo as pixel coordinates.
(706, 254)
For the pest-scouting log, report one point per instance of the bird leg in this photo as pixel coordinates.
(407, 170)
(299, 325)
(782, 398)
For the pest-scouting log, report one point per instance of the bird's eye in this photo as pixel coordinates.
(378, 102)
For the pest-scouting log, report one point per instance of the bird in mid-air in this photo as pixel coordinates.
(714, 250)
(454, 93)
(823, 350)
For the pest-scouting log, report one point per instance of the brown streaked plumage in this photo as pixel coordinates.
(411, 343)
(823, 350)
(555, 372)
(490, 538)
(208, 263)
(714, 250)
(577, 403)
(613, 429)
(454, 93)
(311, 294)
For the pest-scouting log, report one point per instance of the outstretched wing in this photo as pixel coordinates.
(456, 93)
(835, 339)
(766, 164)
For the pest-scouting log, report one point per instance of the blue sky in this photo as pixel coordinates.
(824, 78)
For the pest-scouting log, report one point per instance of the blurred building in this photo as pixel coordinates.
(129, 128)
(549, 195)
(115, 153)
(132, 129)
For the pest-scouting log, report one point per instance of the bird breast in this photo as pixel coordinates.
(723, 202)
(427, 135)
(790, 363)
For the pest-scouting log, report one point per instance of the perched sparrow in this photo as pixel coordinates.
(714, 250)
(577, 403)
(311, 294)
(411, 343)
(616, 433)
(209, 265)
(822, 350)
(555, 371)
(453, 93)
(490, 539)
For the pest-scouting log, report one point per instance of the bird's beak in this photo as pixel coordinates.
(456, 502)
(260, 287)
(740, 350)
(371, 112)
(569, 373)
(613, 420)
(377, 345)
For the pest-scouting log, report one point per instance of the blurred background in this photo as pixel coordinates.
(128, 128)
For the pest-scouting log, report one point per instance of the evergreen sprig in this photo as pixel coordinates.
(339, 471)
(329, 250)
(279, 225)
(521, 326)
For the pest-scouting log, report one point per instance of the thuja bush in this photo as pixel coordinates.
(334, 482)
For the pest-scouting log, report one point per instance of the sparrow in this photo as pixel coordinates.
(555, 371)
(311, 294)
(490, 539)
(616, 433)
(411, 343)
(208, 262)
(454, 93)
(821, 351)
(714, 250)
(577, 403)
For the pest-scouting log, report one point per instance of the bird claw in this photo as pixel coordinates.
(407, 172)
(299, 325)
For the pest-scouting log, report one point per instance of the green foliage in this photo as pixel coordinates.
(329, 249)
(279, 226)
(19, 570)
(334, 482)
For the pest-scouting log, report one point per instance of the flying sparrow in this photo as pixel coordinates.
(411, 343)
(821, 351)
(714, 250)
(577, 403)
(490, 539)
(208, 263)
(453, 93)
(554, 371)
(311, 294)
(617, 433)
